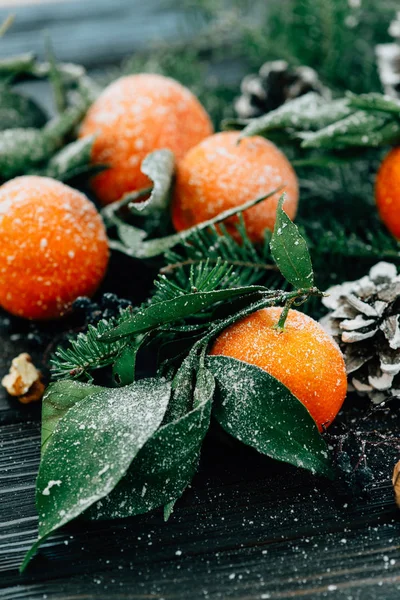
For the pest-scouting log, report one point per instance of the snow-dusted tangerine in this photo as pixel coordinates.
(222, 172)
(53, 247)
(387, 191)
(303, 357)
(134, 116)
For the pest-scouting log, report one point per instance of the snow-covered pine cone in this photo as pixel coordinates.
(365, 321)
(388, 58)
(275, 84)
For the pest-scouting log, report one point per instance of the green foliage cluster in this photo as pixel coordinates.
(112, 452)
(30, 143)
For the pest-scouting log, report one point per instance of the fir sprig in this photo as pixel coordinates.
(250, 263)
(148, 433)
(86, 353)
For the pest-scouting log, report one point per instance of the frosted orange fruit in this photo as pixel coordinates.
(387, 191)
(134, 116)
(53, 247)
(220, 173)
(303, 357)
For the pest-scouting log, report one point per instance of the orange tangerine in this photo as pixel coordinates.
(387, 191)
(53, 247)
(134, 116)
(222, 172)
(303, 357)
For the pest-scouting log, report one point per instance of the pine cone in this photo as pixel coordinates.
(388, 58)
(366, 324)
(275, 84)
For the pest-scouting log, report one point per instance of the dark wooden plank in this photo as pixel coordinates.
(248, 526)
(95, 33)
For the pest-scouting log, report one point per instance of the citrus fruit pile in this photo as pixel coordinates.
(53, 243)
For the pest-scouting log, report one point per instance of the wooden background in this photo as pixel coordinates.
(249, 528)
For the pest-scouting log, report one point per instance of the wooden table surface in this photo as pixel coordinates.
(248, 528)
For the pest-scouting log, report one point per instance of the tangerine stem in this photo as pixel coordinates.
(280, 325)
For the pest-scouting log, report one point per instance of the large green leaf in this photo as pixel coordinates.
(172, 310)
(260, 411)
(289, 251)
(92, 448)
(58, 399)
(166, 465)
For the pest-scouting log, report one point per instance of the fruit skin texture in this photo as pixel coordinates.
(134, 116)
(387, 191)
(53, 247)
(303, 357)
(220, 173)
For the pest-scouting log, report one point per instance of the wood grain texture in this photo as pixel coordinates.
(94, 32)
(248, 526)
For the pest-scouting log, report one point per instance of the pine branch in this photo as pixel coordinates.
(86, 353)
(202, 276)
(249, 264)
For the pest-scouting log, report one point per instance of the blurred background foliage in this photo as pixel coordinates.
(335, 37)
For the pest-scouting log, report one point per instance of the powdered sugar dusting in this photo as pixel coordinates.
(304, 357)
(50, 233)
(222, 172)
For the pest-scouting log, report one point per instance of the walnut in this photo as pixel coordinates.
(24, 380)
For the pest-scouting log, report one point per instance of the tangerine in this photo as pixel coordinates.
(387, 191)
(134, 116)
(303, 357)
(222, 172)
(53, 247)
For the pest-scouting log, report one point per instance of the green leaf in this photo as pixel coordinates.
(124, 366)
(58, 399)
(182, 388)
(23, 150)
(12, 66)
(260, 411)
(72, 160)
(92, 448)
(306, 113)
(361, 128)
(289, 251)
(137, 246)
(374, 102)
(18, 111)
(55, 77)
(173, 310)
(159, 167)
(166, 465)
